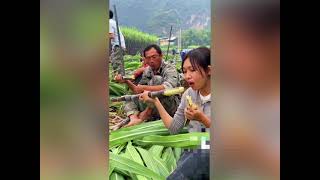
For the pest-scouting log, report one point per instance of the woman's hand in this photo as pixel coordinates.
(194, 114)
(145, 98)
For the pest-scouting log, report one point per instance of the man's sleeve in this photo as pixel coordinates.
(144, 79)
(111, 24)
(170, 77)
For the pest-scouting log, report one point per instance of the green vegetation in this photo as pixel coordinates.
(137, 40)
(148, 151)
(193, 38)
(157, 16)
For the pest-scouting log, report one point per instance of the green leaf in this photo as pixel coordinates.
(116, 176)
(156, 150)
(131, 166)
(133, 153)
(111, 168)
(122, 172)
(168, 157)
(139, 127)
(177, 153)
(148, 159)
(161, 166)
(135, 156)
(118, 149)
(123, 136)
(126, 173)
(188, 140)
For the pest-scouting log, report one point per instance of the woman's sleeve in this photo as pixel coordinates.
(179, 117)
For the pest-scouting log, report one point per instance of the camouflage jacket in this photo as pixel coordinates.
(167, 71)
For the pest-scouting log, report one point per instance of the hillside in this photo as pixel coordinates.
(156, 16)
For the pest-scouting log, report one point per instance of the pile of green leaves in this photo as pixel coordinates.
(116, 89)
(147, 151)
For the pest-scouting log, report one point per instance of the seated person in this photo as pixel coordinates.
(197, 71)
(138, 73)
(193, 164)
(158, 76)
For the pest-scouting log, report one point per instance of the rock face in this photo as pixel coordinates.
(155, 17)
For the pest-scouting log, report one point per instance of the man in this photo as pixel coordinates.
(116, 56)
(157, 76)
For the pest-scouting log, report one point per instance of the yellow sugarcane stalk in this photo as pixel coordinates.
(190, 105)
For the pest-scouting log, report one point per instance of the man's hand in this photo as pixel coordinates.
(119, 78)
(138, 89)
(134, 120)
(144, 115)
(111, 35)
(139, 71)
(193, 114)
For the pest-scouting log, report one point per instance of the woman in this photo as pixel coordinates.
(197, 72)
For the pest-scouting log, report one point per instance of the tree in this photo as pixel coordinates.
(193, 37)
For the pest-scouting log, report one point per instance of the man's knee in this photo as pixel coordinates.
(130, 108)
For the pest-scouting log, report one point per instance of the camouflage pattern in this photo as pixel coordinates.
(116, 58)
(167, 76)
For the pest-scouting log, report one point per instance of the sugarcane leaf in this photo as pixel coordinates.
(131, 166)
(141, 126)
(177, 153)
(148, 159)
(126, 173)
(181, 140)
(116, 176)
(135, 156)
(168, 157)
(118, 149)
(161, 166)
(111, 168)
(117, 139)
(133, 153)
(156, 150)
(122, 172)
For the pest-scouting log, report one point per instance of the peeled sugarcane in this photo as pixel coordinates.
(167, 92)
(190, 105)
(127, 77)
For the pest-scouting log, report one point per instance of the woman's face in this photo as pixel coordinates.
(196, 79)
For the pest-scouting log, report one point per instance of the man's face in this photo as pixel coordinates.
(153, 59)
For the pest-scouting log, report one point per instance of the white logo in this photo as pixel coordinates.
(203, 143)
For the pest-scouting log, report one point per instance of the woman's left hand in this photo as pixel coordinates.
(145, 98)
(193, 114)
